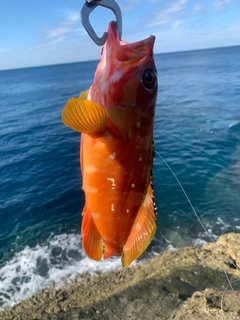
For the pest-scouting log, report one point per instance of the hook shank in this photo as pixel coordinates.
(88, 7)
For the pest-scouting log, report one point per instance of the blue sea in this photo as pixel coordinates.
(197, 131)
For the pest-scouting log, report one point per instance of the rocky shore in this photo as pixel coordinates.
(187, 283)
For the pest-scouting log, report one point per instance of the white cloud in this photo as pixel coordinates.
(175, 6)
(164, 16)
(63, 30)
(66, 26)
(5, 50)
(177, 23)
(133, 1)
(74, 16)
(126, 8)
(220, 3)
(59, 31)
(182, 39)
(197, 7)
(80, 31)
(48, 44)
(57, 40)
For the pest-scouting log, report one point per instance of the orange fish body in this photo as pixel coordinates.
(116, 118)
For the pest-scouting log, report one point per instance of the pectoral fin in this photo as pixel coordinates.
(91, 238)
(142, 231)
(85, 116)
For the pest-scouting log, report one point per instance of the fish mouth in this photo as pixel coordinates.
(124, 51)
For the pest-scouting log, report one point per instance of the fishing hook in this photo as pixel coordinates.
(88, 7)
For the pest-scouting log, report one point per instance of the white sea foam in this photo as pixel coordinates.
(212, 232)
(207, 234)
(35, 268)
(198, 242)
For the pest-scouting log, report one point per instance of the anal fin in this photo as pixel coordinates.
(91, 238)
(142, 231)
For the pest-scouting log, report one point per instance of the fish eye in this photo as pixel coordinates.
(149, 79)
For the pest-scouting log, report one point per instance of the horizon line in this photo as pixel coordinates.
(82, 61)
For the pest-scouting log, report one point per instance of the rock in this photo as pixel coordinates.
(187, 283)
(206, 305)
(228, 244)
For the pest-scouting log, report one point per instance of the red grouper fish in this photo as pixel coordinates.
(116, 117)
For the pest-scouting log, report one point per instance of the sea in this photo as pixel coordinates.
(197, 132)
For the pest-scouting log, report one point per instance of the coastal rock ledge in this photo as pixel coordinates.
(184, 284)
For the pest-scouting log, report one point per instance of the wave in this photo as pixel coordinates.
(33, 269)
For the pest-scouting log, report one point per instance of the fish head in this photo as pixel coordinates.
(125, 82)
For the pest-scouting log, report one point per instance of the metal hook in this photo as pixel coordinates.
(89, 6)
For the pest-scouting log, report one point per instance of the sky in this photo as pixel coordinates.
(35, 33)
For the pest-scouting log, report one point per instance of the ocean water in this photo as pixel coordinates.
(197, 131)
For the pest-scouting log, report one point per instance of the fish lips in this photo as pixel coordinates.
(126, 52)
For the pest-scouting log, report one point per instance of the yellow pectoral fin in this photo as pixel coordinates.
(142, 231)
(85, 116)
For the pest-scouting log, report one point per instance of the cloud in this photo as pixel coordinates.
(197, 7)
(188, 39)
(63, 30)
(80, 31)
(126, 8)
(59, 31)
(65, 26)
(2, 50)
(48, 44)
(57, 40)
(133, 1)
(73, 16)
(177, 23)
(164, 16)
(220, 3)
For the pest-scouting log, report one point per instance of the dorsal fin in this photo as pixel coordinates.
(83, 95)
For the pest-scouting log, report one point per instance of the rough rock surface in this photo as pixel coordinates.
(188, 283)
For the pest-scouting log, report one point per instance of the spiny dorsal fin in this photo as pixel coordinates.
(83, 95)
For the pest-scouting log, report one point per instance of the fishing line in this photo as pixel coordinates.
(190, 203)
(207, 232)
(225, 289)
(223, 294)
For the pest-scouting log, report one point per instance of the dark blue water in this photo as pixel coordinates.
(197, 131)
